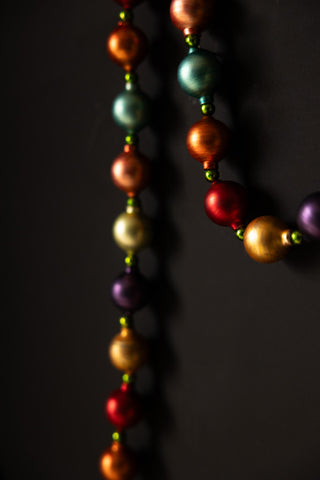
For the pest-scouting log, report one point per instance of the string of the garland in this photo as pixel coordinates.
(266, 239)
(130, 172)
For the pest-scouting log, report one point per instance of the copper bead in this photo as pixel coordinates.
(118, 463)
(267, 239)
(128, 351)
(191, 16)
(208, 141)
(127, 46)
(130, 171)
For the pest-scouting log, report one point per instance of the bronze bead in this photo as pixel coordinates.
(128, 351)
(127, 46)
(118, 463)
(130, 171)
(191, 16)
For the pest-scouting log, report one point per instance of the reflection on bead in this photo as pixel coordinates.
(127, 46)
(130, 290)
(130, 171)
(128, 351)
(131, 110)
(191, 16)
(118, 463)
(308, 218)
(123, 407)
(199, 73)
(266, 239)
(226, 204)
(208, 141)
(132, 232)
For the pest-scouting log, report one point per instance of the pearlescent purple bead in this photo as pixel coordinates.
(308, 218)
(130, 290)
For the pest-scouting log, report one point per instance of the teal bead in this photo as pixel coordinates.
(131, 109)
(199, 73)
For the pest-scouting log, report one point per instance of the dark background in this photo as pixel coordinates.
(233, 387)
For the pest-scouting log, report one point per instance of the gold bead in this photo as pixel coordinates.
(132, 231)
(128, 351)
(266, 239)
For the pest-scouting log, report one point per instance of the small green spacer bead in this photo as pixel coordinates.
(211, 175)
(117, 437)
(208, 109)
(192, 40)
(127, 378)
(126, 15)
(133, 202)
(131, 77)
(240, 233)
(131, 139)
(296, 237)
(125, 321)
(131, 260)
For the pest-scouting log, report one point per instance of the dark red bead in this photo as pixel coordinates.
(123, 407)
(128, 3)
(226, 204)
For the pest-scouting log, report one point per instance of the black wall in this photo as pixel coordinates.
(233, 389)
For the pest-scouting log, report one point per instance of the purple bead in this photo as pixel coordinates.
(130, 290)
(308, 218)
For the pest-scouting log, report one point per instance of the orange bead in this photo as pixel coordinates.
(127, 46)
(118, 463)
(208, 141)
(131, 171)
(191, 16)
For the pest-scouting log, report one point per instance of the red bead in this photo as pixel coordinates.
(128, 3)
(123, 407)
(226, 204)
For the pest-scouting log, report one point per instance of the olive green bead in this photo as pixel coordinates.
(296, 237)
(207, 109)
(127, 378)
(192, 40)
(131, 109)
(131, 77)
(240, 233)
(126, 15)
(211, 175)
(131, 260)
(125, 321)
(117, 437)
(131, 139)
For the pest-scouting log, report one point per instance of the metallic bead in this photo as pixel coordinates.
(192, 40)
(128, 350)
(131, 77)
(130, 290)
(131, 110)
(126, 15)
(128, 378)
(191, 16)
(123, 407)
(240, 233)
(296, 237)
(131, 260)
(127, 46)
(208, 141)
(207, 109)
(308, 218)
(125, 321)
(118, 463)
(131, 171)
(117, 437)
(199, 73)
(266, 239)
(131, 139)
(226, 204)
(212, 175)
(132, 232)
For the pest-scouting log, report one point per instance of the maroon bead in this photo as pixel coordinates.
(226, 204)
(128, 3)
(123, 407)
(130, 290)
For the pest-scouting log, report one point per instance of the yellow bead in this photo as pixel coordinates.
(267, 239)
(132, 231)
(128, 351)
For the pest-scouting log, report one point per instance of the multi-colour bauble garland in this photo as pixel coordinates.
(266, 239)
(130, 172)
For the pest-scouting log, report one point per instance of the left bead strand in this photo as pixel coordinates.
(132, 231)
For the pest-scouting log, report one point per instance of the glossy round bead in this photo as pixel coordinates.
(199, 73)
(226, 204)
(266, 239)
(208, 141)
(118, 463)
(207, 109)
(132, 231)
(191, 16)
(211, 175)
(131, 110)
(128, 3)
(127, 46)
(240, 233)
(308, 218)
(130, 290)
(131, 171)
(128, 351)
(123, 407)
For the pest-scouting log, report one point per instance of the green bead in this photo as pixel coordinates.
(131, 260)
(131, 110)
(126, 15)
(207, 109)
(199, 73)
(131, 139)
(192, 40)
(240, 233)
(296, 237)
(125, 321)
(131, 77)
(127, 378)
(117, 437)
(211, 175)
(133, 202)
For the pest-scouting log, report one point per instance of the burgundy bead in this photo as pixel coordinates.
(130, 290)
(226, 204)
(123, 407)
(308, 218)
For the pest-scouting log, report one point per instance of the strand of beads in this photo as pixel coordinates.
(266, 239)
(130, 172)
